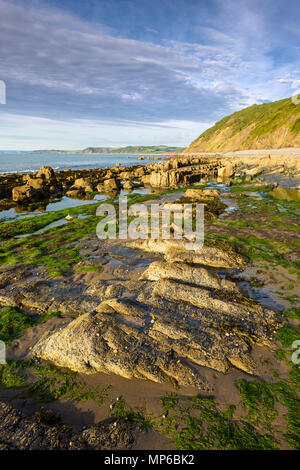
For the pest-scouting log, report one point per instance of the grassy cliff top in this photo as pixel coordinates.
(269, 125)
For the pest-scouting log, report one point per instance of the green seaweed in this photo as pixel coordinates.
(49, 383)
(198, 424)
(13, 323)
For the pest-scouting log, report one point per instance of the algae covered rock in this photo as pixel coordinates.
(201, 194)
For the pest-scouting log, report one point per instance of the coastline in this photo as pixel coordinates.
(128, 304)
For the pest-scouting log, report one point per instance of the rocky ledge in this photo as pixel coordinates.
(165, 324)
(47, 184)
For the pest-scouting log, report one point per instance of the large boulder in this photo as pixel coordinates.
(35, 183)
(226, 171)
(164, 178)
(47, 173)
(23, 193)
(85, 184)
(111, 184)
(146, 179)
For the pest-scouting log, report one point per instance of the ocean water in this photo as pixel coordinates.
(26, 162)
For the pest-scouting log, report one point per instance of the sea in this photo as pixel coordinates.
(27, 162)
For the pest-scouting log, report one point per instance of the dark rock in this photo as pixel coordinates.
(44, 432)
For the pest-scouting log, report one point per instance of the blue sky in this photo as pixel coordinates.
(120, 72)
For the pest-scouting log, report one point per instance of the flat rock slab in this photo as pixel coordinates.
(162, 322)
(162, 328)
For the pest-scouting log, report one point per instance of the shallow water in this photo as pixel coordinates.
(63, 203)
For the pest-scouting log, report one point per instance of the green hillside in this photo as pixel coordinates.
(269, 125)
(134, 149)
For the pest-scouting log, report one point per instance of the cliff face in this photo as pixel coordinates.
(271, 125)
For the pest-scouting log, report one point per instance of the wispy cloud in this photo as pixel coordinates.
(16, 132)
(63, 66)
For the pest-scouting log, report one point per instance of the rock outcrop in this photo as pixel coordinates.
(85, 184)
(175, 251)
(44, 431)
(181, 173)
(36, 188)
(109, 185)
(187, 273)
(177, 317)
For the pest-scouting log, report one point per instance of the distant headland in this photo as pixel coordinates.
(130, 149)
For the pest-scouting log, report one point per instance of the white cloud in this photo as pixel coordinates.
(77, 73)
(20, 132)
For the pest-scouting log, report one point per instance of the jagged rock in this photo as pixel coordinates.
(111, 184)
(110, 342)
(47, 173)
(135, 337)
(21, 432)
(37, 188)
(128, 185)
(23, 193)
(186, 273)
(261, 326)
(198, 342)
(85, 184)
(148, 334)
(202, 298)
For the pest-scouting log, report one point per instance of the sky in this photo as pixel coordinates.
(139, 72)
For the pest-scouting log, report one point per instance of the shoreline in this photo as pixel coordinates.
(108, 296)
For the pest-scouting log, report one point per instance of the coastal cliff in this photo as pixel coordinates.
(270, 125)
